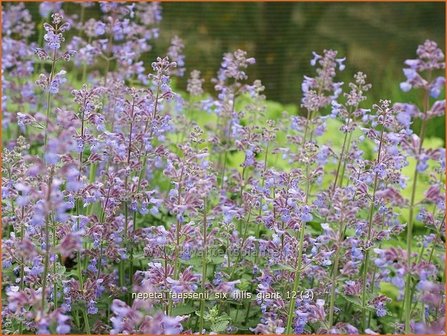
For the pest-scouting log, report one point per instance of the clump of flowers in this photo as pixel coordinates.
(131, 205)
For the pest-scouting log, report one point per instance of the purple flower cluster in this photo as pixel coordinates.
(131, 209)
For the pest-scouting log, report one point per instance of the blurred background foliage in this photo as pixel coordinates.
(375, 38)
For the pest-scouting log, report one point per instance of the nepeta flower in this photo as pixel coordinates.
(195, 84)
(314, 89)
(16, 19)
(233, 67)
(175, 54)
(379, 304)
(430, 58)
(45, 8)
(57, 81)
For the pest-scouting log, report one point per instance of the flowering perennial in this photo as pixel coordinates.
(123, 195)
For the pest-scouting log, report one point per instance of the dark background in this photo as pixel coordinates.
(375, 37)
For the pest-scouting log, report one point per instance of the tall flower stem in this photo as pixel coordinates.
(339, 174)
(53, 64)
(54, 270)
(78, 213)
(143, 165)
(22, 262)
(374, 273)
(79, 200)
(296, 280)
(300, 236)
(368, 237)
(244, 239)
(334, 275)
(204, 262)
(408, 292)
(143, 169)
(306, 129)
(340, 163)
(344, 149)
(258, 226)
(177, 236)
(84, 67)
(40, 30)
(126, 205)
(430, 256)
(102, 220)
(226, 130)
(47, 242)
(109, 55)
(343, 169)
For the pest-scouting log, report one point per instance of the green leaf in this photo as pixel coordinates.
(137, 258)
(358, 302)
(281, 267)
(194, 261)
(184, 309)
(219, 326)
(244, 285)
(389, 290)
(216, 260)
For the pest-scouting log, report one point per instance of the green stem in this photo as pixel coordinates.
(143, 170)
(84, 67)
(296, 281)
(204, 265)
(258, 226)
(40, 29)
(226, 129)
(53, 63)
(143, 166)
(334, 275)
(348, 148)
(79, 200)
(244, 238)
(86, 321)
(47, 242)
(22, 266)
(339, 163)
(54, 270)
(370, 222)
(177, 237)
(222, 174)
(102, 218)
(242, 184)
(109, 52)
(408, 280)
(126, 205)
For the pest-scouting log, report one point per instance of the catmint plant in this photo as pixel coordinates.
(420, 74)
(135, 204)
